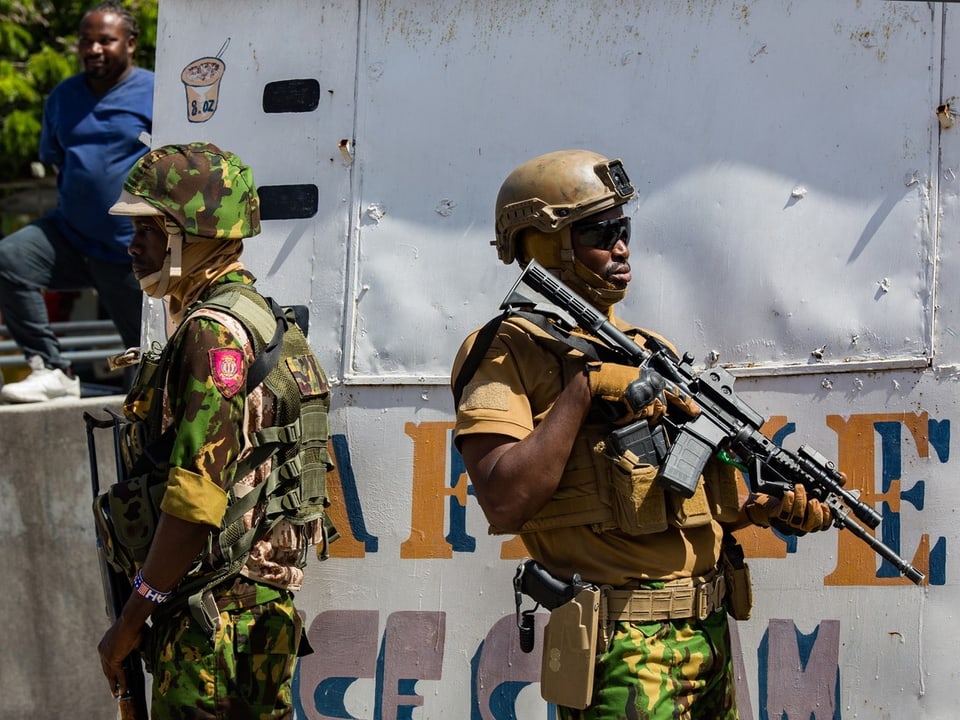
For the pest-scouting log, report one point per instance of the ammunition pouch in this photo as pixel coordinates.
(637, 501)
(126, 517)
(640, 503)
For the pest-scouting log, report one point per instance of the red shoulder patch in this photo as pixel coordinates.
(228, 370)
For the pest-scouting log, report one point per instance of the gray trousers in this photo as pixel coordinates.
(38, 257)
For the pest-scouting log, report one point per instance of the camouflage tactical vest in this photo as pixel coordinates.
(296, 442)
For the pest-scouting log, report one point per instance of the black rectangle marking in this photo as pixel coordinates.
(291, 96)
(288, 202)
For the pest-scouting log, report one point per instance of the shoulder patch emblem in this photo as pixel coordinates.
(228, 370)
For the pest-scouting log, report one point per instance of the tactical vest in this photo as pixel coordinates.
(296, 442)
(600, 488)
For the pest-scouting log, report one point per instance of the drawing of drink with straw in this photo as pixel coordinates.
(201, 78)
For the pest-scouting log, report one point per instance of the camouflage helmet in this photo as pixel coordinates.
(552, 191)
(209, 192)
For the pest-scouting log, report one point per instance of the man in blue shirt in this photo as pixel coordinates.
(92, 127)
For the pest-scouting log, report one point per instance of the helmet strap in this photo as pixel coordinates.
(157, 285)
(174, 247)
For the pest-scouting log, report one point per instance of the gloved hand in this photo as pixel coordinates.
(640, 390)
(679, 399)
(644, 392)
(793, 514)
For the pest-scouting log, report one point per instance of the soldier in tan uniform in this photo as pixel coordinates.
(531, 421)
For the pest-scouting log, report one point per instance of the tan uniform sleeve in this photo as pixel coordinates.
(495, 400)
(193, 498)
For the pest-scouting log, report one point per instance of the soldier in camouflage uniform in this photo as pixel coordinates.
(192, 205)
(531, 432)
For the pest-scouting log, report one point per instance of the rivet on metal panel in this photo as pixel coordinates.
(945, 115)
(445, 208)
(799, 192)
(818, 353)
(884, 285)
(826, 384)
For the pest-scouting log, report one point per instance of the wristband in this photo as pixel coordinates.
(144, 590)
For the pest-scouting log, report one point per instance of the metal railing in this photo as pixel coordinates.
(80, 341)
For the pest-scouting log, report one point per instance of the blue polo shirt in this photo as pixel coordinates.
(94, 143)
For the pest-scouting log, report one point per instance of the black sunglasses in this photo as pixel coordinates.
(603, 234)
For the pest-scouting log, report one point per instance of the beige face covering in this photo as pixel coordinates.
(157, 284)
(602, 294)
(190, 265)
(555, 252)
(203, 261)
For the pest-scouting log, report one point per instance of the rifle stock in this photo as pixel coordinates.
(132, 705)
(725, 426)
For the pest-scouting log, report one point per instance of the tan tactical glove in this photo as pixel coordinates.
(792, 514)
(639, 390)
(680, 400)
(644, 392)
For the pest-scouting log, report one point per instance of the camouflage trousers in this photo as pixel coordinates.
(245, 674)
(670, 670)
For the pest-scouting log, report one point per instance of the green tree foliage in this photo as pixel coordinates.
(38, 49)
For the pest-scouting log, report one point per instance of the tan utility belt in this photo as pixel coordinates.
(679, 599)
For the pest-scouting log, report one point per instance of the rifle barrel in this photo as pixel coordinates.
(841, 519)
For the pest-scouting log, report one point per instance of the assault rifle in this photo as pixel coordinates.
(726, 426)
(132, 705)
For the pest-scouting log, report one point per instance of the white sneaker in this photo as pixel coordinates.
(40, 385)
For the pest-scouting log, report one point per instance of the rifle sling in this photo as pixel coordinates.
(593, 350)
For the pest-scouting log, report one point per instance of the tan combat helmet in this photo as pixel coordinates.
(540, 201)
(553, 191)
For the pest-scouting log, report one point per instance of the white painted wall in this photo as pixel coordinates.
(795, 193)
(762, 137)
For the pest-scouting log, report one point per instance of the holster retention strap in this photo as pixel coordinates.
(687, 598)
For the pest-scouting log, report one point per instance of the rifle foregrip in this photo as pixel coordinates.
(684, 465)
(133, 704)
(127, 709)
